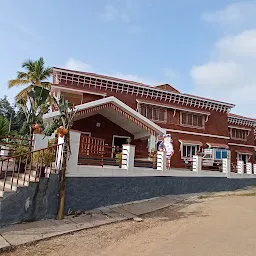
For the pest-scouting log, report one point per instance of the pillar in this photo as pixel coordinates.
(226, 166)
(128, 154)
(249, 168)
(240, 167)
(197, 164)
(254, 168)
(161, 161)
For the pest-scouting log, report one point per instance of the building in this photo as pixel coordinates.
(113, 111)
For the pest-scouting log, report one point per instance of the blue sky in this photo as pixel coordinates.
(206, 48)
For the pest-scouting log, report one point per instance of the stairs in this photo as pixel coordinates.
(12, 183)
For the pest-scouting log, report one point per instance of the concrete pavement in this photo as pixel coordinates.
(27, 233)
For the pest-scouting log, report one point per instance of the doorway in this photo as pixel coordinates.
(244, 158)
(117, 143)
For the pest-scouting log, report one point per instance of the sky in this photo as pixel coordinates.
(206, 48)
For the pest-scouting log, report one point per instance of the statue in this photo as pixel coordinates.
(167, 146)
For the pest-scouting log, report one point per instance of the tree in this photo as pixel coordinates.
(65, 122)
(34, 107)
(6, 109)
(35, 75)
(15, 116)
(67, 114)
(4, 126)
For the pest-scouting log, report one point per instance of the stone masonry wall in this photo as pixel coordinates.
(35, 202)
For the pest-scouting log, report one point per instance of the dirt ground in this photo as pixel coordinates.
(223, 225)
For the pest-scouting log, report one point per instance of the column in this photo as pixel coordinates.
(197, 164)
(249, 168)
(226, 166)
(240, 167)
(161, 161)
(128, 154)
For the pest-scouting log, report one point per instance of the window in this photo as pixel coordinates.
(154, 113)
(239, 134)
(191, 119)
(221, 153)
(189, 150)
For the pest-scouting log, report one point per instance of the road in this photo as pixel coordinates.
(212, 226)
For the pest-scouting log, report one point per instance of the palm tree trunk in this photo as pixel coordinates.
(62, 188)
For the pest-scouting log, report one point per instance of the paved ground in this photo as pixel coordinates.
(223, 225)
(25, 233)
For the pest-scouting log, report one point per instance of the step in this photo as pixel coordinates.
(5, 191)
(26, 175)
(21, 182)
(32, 172)
(8, 185)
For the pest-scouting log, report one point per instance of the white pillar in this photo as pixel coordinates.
(40, 141)
(254, 168)
(72, 162)
(161, 161)
(240, 167)
(226, 166)
(128, 154)
(249, 168)
(197, 164)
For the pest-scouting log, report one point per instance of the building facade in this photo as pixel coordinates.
(195, 123)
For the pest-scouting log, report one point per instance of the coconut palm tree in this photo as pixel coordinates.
(35, 74)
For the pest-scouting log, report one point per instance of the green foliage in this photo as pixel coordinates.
(23, 150)
(36, 105)
(15, 117)
(51, 128)
(6, 109)
(35, 74)
(44, 157)
(4, 126)
(118, 158)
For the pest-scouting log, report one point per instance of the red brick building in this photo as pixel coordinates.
(194, 122)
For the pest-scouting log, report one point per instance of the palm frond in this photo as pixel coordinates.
(22, 75)
(29, 65)
(23, 94)
(17, 82)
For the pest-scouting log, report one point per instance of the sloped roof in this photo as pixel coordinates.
(241, 117)
(167, 87)
(101, 102)
(230, 105)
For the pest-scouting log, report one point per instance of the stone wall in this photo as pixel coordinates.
(89, 193)
(35, 202)
(40, 200)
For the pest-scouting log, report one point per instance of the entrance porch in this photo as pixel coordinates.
(106, 125)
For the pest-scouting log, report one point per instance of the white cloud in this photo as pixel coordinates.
(79, 65)
(74, 64)
(241, 45)
(238, 13)
(231, 75)
(216, 74)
